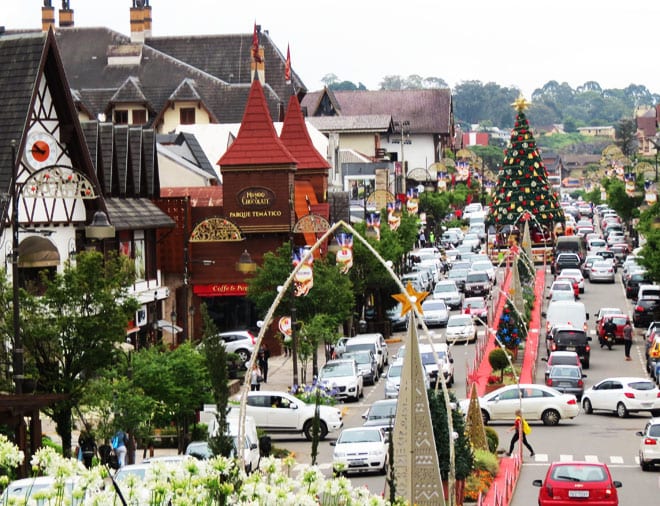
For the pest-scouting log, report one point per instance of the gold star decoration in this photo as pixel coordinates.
(410, 297)
(520, 104)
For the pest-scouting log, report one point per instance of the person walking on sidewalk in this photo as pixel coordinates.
(262, 359)
(255, 378)
(627, 339)
(520, 426)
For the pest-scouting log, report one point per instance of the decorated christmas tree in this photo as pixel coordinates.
(523, 192)
(511, 328)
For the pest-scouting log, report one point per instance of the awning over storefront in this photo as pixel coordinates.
(168, 326)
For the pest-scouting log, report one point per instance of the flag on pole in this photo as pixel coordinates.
(304, 278)
(287, 66)
(255, 44)
(345, 254)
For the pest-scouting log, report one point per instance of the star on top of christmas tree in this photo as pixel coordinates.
(520, 104)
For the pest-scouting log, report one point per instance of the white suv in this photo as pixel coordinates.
(343, 378)
(282, 412)
(240, 342)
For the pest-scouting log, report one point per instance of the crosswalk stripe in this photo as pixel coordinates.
(566, 458)
(591, 458)
(615, 459)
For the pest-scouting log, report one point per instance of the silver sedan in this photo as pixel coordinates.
(602, 270)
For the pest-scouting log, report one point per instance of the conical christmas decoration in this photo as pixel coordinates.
(527, 244)
(416, 466)
(475, 422)
(515, 290)
(523, 192)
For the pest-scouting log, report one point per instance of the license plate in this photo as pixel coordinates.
(565, 384)
(570, 348)
(578, 493)
(357, 463)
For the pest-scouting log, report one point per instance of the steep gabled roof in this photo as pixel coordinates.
(296, 138)
(429, 111)
(129, 91)
(357, 124)
(257, 142)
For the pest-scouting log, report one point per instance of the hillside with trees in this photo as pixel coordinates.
(489, 104)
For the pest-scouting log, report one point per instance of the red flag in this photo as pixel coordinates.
(469, 179)
(468, 199)
(287, 66)
(255, 44)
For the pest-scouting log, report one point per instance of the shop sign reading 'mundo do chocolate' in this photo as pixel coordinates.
(256, 202)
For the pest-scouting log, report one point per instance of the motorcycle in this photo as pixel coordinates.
(608, 340)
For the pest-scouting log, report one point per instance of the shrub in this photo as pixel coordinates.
(478, 482)
(486, 461)
(308, 393)
(499, 361)
(493, 439)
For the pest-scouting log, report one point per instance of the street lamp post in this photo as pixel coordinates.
(656, 145)
(18, 341)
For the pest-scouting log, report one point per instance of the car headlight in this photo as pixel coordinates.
(376, 452)
(339, 454)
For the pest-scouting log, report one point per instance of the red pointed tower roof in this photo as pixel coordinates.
(257, 142)
(295, 137)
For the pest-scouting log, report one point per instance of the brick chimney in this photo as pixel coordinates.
(66, 15)
(47, 18)
(147, 21)
(137, 23)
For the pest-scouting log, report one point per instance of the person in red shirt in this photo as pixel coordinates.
(517, 431)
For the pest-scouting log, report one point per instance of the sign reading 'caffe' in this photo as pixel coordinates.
(255, 198)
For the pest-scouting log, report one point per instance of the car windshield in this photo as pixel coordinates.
(565, 372)
(475, 303)
(428, 359)
(360, 436)
(443, 288)
(457, 273)
(479, 277)
(336, 370)
(394, 371)
(360, 358)
(577, 472)
(434, 306)
(460, 321)
(563, 360)
(381, 411)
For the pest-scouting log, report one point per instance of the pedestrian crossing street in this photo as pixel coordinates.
(610, 460)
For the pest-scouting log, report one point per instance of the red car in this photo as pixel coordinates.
(584, 483)
(619, 319)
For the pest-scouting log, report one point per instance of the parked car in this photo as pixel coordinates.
(602, 270)
(632, 281)
(567, 379)
(275, 411)
(561, 358)
(448, 291)
(381, 414)
(538, 402)
(578, 482)
(649, 444)
(361, 449)
(478, 309)
(240, 342)
(477, 283)
(374, 342)
(435, 313)
(397, 320)
(33, 490)
(366, 363)
(343, 378)
(432, 367)
(622, 395)
(460, 327)
(645, 311)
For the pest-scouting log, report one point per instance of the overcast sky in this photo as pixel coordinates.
(512, 43)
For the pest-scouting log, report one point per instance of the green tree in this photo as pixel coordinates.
(178, 380)
(627, 206)
(73, 328)
(463, 457)
(625, 132)
(215, 355)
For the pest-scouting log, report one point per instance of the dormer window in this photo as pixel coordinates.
(187, 116)
(120, 117)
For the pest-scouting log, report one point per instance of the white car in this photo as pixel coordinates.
(343, 378)
(361, 449)
(448, 291)
(275, 411)
(539, 402)
(487, 266)
(575, 274)
(34, 490)
(444, 362)
(563, 286)
(381, 414)
(622, 395)
(393, 378)
(460, 327)
(649, 444)
(435, 313)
